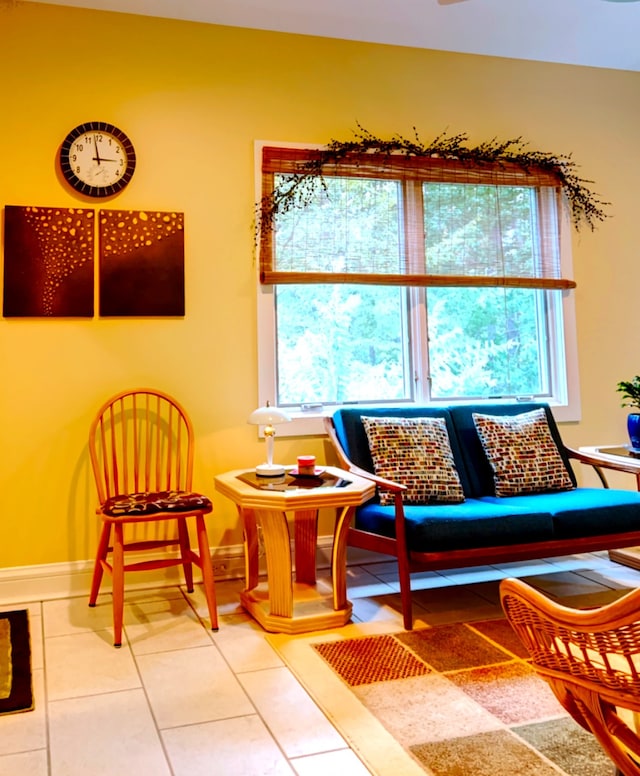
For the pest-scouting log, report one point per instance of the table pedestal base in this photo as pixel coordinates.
(312, 609)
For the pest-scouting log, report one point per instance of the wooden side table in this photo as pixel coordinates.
(616, 457)
(622, 459)
(283, 604)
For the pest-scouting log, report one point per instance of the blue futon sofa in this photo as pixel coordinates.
(483, 528)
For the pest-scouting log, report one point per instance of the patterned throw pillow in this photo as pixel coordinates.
(414, 452)
(522, 453)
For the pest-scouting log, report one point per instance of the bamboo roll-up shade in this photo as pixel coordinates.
(391, 219)
(415, 280)
(398, 165)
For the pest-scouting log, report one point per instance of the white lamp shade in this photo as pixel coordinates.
(268, 416)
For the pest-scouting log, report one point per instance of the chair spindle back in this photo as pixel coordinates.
(141, 441)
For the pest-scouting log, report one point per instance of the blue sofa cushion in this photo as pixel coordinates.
(583, 511)
(473, 523)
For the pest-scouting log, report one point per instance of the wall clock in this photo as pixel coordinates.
(97, 159)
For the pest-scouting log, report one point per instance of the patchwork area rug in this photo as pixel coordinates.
(450, 700)
(16, 693)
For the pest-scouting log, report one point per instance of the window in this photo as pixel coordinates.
(413, 280)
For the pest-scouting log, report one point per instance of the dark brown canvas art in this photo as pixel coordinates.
(48, 261)
(141, 263)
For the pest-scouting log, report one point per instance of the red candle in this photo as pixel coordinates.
(306, 464)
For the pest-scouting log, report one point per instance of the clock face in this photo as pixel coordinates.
(97, 159)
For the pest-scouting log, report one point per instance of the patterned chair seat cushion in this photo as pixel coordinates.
(155, 502)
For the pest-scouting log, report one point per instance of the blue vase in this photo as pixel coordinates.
(633, 428)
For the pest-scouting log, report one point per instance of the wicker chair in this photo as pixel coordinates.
(591, 660)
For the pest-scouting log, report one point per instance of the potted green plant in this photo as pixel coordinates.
(630, 390)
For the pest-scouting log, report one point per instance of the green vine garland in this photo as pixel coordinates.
(298, 190)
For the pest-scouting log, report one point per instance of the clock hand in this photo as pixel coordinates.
(97, 156)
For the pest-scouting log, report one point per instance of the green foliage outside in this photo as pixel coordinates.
(345, 342)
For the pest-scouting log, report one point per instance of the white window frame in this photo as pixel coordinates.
(566, 405)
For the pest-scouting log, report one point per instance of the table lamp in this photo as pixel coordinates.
(267, 416)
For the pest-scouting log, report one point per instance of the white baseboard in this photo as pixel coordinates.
(45, 582)
(22, 584)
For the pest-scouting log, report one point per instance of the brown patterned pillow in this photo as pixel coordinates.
(414, 452)
(152, 503)
(522, 453)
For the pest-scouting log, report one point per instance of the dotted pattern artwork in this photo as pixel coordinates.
(123, 232)
(48, 261)
(141, 266)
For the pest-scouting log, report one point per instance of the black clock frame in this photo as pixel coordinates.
(86, 188)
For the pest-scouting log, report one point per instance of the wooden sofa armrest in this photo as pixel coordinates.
(381, 482)
(599, 462)
(348, 465)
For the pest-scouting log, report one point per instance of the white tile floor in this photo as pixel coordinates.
(178, 699)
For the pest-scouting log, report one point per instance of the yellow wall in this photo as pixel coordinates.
(193, 98)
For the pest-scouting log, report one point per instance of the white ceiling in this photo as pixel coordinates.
(596, 33)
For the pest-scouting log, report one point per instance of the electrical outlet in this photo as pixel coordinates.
(228, 566)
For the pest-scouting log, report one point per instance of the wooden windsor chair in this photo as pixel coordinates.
(141, 445)
(591, 660)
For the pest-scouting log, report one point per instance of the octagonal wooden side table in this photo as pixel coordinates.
(284, 603)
